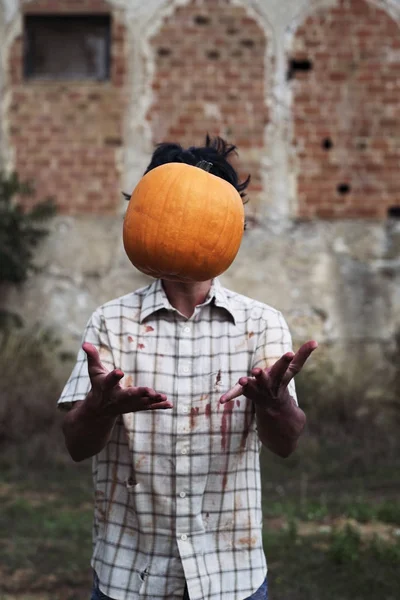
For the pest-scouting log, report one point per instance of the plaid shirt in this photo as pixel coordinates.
(177, 491)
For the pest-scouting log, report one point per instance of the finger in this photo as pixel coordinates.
(133, 399)
(262, 378)
(160, 405)
(142, 395)
(278, 370)
(112, 379)
(155, 398)
(234, 392)
(95, 367)
(299, 360)
(146, 392)
(257, 371)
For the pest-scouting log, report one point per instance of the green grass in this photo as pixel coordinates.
(338, 567)
(45, 531)
(55, 532)
(45, 540)
(293, 489)
(323, 508)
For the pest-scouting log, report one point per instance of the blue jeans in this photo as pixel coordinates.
(260, 594)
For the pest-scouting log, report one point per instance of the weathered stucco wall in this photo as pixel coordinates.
(336, 281)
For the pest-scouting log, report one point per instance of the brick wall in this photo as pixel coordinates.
(66, 135)
(346, 112)
(210, 77)
(211, 74)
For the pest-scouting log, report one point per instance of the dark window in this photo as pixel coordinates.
(67, 47)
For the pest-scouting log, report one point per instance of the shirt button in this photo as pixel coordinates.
(186, 369)
(187, 330)
(183, 451)
(185, 409)
(182, 494)
(184, 537)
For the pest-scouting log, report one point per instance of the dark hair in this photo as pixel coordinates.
(216, 151)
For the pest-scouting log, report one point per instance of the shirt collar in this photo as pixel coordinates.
(156, 299)
(218, 293)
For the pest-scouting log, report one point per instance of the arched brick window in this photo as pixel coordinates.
(344, 71)
(210, 77)
(66, 134)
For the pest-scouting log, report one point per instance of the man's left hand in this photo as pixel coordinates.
(268, 387)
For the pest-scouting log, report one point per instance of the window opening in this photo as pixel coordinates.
(67, 47)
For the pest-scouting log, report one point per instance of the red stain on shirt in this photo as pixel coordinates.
(251, 334)
(247, 424)
(226, 423)
(141, 346)
(101, 513)
(250, 542)
(208, 410)
(114, 484)
(140, 461)
(149, 328)
(193, 414)
(238, 503)
(103, 351)
(130, 339)
(218, 378)
(237, 402)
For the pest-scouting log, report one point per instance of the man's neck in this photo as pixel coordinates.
(186, 296)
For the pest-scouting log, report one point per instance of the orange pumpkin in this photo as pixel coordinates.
(183, 224)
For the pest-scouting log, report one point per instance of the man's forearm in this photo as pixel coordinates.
(85, 432)
(280, 428)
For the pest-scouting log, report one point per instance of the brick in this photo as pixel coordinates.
(367, 79)
(57, 127)
(66, 6)
(231, 80)
(78, 138)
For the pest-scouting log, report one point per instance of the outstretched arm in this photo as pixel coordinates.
(88, 425)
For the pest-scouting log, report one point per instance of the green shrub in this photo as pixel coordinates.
(345, 546)
(353, 416)
(32, 377)
(21, 229)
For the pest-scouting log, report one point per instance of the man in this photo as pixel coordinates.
(175, 389)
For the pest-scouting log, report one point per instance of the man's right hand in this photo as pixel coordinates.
(109, 398)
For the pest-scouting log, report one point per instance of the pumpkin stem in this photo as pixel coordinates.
(205, 165)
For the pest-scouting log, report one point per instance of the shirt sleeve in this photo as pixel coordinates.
(273, 343)
(78, 384)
